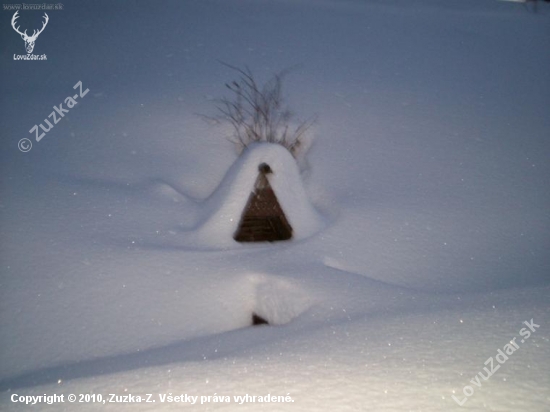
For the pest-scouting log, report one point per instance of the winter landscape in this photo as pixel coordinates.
(417, 277)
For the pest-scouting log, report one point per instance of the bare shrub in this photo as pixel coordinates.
(258, 113)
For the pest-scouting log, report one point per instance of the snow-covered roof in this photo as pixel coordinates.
(223, 209)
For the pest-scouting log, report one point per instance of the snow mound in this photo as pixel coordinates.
(279, 300)
(223, 209)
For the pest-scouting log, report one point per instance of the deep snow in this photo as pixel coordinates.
(221, 212)
(427, 189)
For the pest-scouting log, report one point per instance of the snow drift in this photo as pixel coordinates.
(223, 209)
(431, 159)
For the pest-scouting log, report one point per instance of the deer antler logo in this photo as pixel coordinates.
(29, 40)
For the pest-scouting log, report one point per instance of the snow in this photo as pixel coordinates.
(421, 211)
(224, 208)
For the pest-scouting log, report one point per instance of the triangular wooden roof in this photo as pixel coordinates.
(263, 218)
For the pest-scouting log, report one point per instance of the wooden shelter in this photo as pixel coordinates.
(263, 218)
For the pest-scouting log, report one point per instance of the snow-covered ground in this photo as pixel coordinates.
(423, 210)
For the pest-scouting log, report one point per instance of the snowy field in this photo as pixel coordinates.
(419, 278)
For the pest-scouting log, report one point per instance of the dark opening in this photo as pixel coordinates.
(263, 219)
(264, 168)
(258, 320)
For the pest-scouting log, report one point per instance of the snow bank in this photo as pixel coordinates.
(407, 360)
(223, 209)
(432, 159)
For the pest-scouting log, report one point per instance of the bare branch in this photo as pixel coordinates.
(258, 114)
